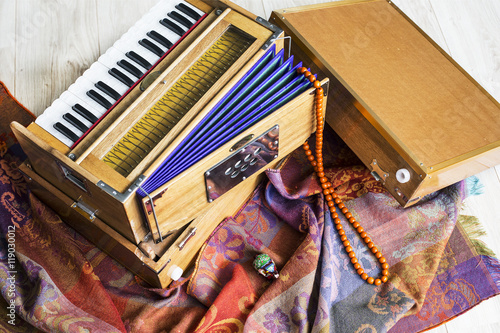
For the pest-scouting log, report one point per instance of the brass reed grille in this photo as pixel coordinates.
(177, 101)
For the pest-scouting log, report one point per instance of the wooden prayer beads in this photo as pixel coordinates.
(332, 198)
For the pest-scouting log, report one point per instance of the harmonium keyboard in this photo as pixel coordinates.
(168, 132)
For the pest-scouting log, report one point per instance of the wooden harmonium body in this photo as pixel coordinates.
(183, 146)
(401, 103)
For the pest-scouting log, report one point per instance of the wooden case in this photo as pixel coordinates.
(410, 113)
(155, 261)
(154, 235)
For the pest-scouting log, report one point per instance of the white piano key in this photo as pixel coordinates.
(200, 12)
(125, 46)
(98, 72)
(111, 57)
(67, 108)
(71, 99)
(47, 122)
(54, 114)
(80, 89)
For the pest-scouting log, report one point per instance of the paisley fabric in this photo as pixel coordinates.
(53, 280)
(318, 290)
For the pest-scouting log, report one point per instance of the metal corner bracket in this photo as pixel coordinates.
(122, 197)
(274, 28)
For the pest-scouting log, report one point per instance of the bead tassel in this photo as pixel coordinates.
(332, 198)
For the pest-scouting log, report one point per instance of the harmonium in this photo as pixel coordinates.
(166, 135)
(169, 132)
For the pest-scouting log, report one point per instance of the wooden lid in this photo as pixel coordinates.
(408, 88)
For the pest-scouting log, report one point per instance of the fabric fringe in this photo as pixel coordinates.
(474, 231)
(474, 186)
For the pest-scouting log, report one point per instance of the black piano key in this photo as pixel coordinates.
(130, 68)
(108, 90)
(172, 26)
(66, 132)
(99, 99)
(121, 77)
(84, 113)
(75, 122)
(160, 39)
(138, 59)
(188, 11)
(151, 47)
(181, 19)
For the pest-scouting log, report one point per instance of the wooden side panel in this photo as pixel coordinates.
(48, 162)
(156, 273)
(183, 198)
(454, 173)
(97, 232)
(369, 145)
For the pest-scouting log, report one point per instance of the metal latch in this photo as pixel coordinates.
(84, 209)
(379, 174)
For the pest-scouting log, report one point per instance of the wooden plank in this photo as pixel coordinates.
(8, 44)
(471, 32)
(255, 6)
(422, 13)
(115, 17)
(59, 41)
(270, 5)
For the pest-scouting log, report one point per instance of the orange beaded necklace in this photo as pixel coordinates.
(332, 198)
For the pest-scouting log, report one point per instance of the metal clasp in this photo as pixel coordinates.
(84, 209)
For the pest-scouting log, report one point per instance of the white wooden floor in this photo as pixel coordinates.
(46, 44)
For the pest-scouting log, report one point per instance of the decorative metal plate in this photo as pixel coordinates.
(242, 164)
